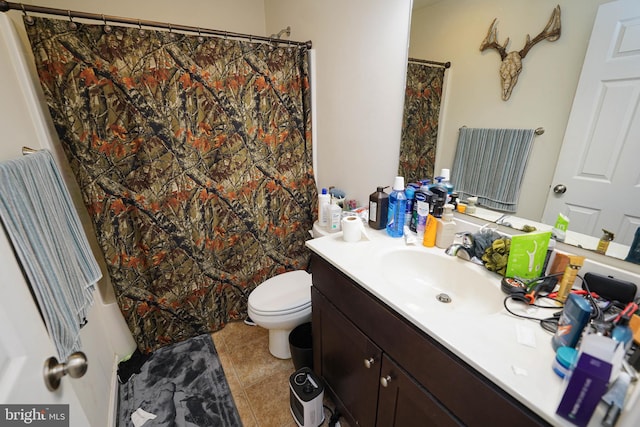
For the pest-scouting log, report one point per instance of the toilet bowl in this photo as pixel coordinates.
(281, 303)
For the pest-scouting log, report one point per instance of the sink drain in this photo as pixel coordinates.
(443, 298)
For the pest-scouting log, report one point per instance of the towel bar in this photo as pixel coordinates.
(28, 150)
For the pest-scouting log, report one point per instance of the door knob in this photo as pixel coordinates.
(385, 381)
(76, 366)
(368, 363)
(560, 189)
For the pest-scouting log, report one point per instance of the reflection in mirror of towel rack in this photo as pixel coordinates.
(538, 131)
(28, 150)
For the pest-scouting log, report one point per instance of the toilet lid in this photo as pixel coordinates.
(286, 292)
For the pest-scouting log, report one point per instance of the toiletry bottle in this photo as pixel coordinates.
(323, 201)
(430, 230)
(446, 175)
(622, 332)
(438, 201)
(410, 192)
(378, 209)
(575, 316)
(446, 228)
(453, 199)
(397, 208)
(335, 216)
(603, 244)
(559, 231)
(422, 200)
(570, 272)
(471, 205)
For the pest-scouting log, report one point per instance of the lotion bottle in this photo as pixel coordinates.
(335, 216)
(446, 228)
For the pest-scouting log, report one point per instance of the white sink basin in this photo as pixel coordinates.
(442, 282)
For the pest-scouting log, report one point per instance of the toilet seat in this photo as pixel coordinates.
(281, 312)
(282, 294)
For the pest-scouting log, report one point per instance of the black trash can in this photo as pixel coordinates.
(301, 346)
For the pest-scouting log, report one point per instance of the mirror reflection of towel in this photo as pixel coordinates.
(490, 164)
(46, 233)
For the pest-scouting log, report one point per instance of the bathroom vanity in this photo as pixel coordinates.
(391, 354)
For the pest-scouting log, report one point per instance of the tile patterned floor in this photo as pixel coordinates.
(259, 382)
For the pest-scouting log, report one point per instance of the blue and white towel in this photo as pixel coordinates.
(490, 164)
(44, 227)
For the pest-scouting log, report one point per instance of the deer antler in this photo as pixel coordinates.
(512, 62)
(551, 32)
(491, 41)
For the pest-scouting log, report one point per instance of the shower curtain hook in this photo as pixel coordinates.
(27, 18)
(72, 25)
(107, 27)
(200, 38)
(140, 30)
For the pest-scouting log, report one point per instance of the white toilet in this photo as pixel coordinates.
(281, 303)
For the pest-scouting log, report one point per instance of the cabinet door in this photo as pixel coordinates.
(348, 361)
(403, 403)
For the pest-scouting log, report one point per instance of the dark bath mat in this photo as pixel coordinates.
(183, 385)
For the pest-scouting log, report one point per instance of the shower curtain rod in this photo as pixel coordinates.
(5, 6)
(425, 61)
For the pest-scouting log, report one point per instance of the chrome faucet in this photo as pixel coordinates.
(462, 246)
(503, 220)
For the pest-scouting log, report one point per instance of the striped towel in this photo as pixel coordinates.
(43, 225)
(490, 164)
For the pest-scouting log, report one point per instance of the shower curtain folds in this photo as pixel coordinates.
(418, 143)
(194, 159)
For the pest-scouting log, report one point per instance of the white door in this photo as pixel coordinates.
(24, 347)
(600, 155)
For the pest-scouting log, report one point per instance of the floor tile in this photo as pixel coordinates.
(259, 382)
(270, 401)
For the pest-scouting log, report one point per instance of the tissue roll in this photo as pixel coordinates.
(351, 228)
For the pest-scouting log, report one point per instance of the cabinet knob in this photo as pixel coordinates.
(385, 381)
(368, 363)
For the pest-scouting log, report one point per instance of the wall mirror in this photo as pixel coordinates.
(452, 30)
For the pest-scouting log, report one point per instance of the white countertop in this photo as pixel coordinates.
(486, 341)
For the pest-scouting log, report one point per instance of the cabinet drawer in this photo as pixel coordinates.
(470, 396)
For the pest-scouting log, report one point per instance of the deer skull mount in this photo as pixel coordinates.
(512, 61)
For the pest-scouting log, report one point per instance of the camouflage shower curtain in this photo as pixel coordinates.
(418, 142)
(194, 159)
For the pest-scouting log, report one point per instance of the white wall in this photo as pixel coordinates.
(453, 30)
(361, 54)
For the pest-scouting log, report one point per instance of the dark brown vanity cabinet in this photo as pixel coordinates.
(381, 370)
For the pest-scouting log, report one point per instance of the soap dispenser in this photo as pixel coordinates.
(446, 230)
